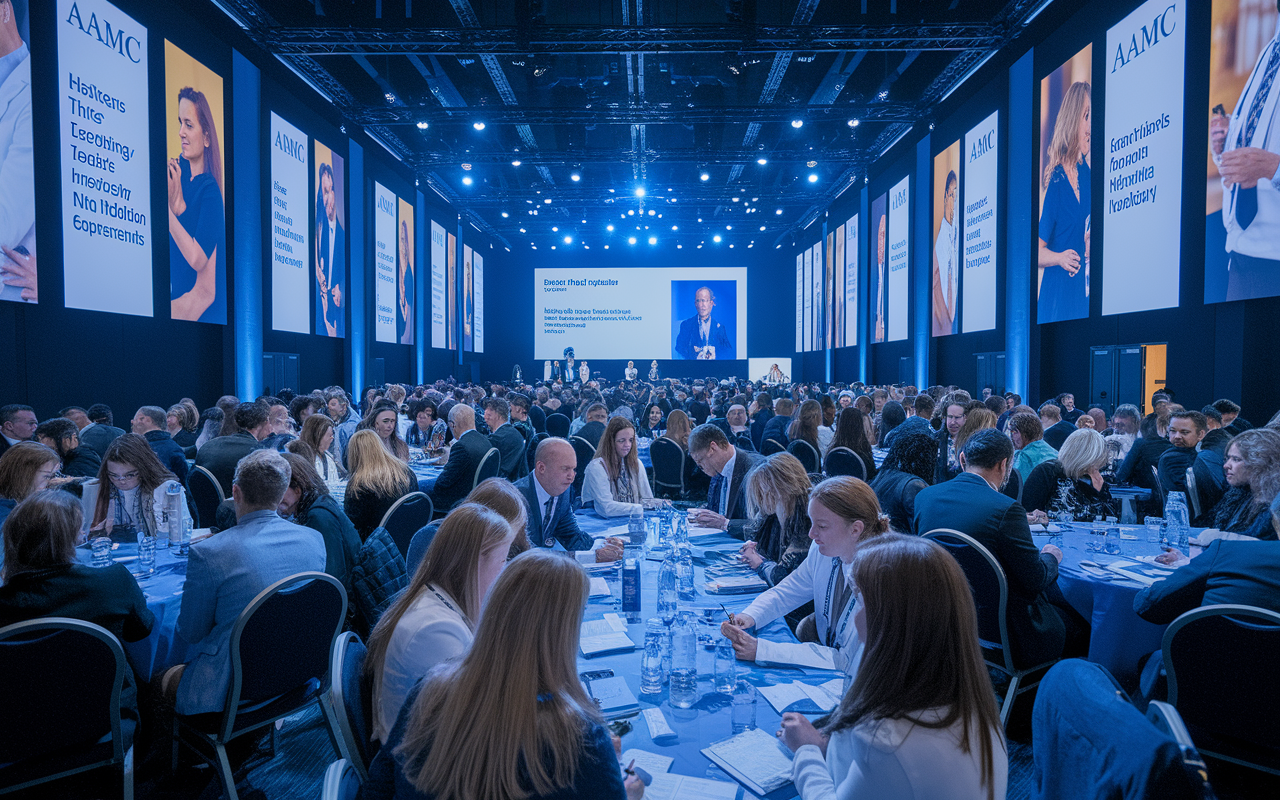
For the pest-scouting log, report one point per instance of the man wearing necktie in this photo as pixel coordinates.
(727, 467)
(548, 491)
(1248, 157)
(702, 337)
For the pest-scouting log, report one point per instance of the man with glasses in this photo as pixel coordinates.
(17, 424)
(953, 415)
(727, 467)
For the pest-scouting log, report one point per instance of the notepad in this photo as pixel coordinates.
(651, 763)
(1118, 567)
(666, 786)
(614, 697)
(794, 654)
(810, 699)
(754, 758)
(735, 584)
(608, 635)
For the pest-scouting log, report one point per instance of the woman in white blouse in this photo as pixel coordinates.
(614, 479)
(920, 720)
(434, 618)
(843, 512)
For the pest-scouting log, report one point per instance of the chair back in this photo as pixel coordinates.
(489, 467)
(283, 639)
(1168, 721)
(206, 494)
(558, 425)
(532, 449)
(990, 590)
(807, 453)
(351, 698)
(843, 461)
(405, 517)
(1193, 494)
(1158, 491)
(62, 678)
(742, 441)
(341, 781)
(668, 467)
(418, 546)
(585, 452)
(1216, 657)
(771, 446)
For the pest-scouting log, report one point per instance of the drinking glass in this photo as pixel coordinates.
(101, 546)
(146, 553)
(1154, 525)
(744, 706)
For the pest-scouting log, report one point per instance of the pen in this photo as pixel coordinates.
(629, 769)
(726, 613)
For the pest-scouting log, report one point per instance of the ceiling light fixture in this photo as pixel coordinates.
(639, 191)
(515, 163)
(778, 211)
(466, 181)
(653, 240)
(704, 176)
(575, 176)
(568, 240)
(853, 123)
(609, 228)
(716, 238)
(813, 177)
(631, 240)
(422, 126)
(762, 161)
(478, 125)
(797, 123)
(505, 215)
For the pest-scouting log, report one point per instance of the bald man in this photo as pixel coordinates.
(702, 337)
(548, 490)
(461, 460)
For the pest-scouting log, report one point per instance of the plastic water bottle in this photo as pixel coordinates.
(684, 665)
(635, 527)
(668, 589)
(146, 553)
(666, 654)
(1175, 511)
(631, 589)
(726, 667)
(651, 665)
(172, 523)
(681, 531)
(184, 545)
(684, 573)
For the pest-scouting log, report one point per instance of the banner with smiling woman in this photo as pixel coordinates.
(194, 170)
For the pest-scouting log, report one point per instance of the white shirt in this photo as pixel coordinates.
(11, 442)
(894, 759)
(1262, 238)
(596, 488)
(946, 250)
(704, 330)
(327, 468)
(726, 472)
(583, 556)
(432, 631)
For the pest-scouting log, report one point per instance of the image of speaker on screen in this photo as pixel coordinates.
(17, 169)
(331, 249)
(404, 280)
(880, 223)
(706, 333)
(1066, 114)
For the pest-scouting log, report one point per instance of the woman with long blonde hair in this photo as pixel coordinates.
(511, 719)
(615, 481)
(1064, 212)
(378, 480)
(778, 530)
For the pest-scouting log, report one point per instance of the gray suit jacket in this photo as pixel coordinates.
(224, 574)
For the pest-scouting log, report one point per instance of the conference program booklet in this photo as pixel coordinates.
(755, 759)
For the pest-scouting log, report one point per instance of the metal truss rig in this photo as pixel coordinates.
(578, 40)
(618, 114)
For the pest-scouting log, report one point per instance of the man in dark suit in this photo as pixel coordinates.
(1067, 405)
(504, 436)
(727, 467)
(17, 424)
(220, 455)
(331, 261)
(701, 336)
(1056, 430)
(469, 446)
(548, 491)
(96, 432)
(1040, 622)
(149, 423)
(697, 408)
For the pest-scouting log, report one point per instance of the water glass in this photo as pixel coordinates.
(184, 546)
(726, 667)
(744, 706)
(146, 553)
(101, 546)
(1111, 544)
(1155, 530)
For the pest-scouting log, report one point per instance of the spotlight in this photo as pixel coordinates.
(778, 211)
(466, 181)
(704, 176)
(505, 215)
(547, 201)
(762, 161)
(568, 240)
(853, 123)
(609, 228)
(515, 163)
(797, 123)
(653, 240)
(478, 125)
(639, 191)
(884, 94)
(761, 227)
(555, 229)
(728, 227)
(422, 126)
(631, 240)
(652, 212)
(522, 230)
(716, 238)
(391, 98)
(575, 176)
(813, 177)
(675, 227)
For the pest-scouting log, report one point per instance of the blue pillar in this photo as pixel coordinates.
(421, 287)
(246, 269)
(355, 275)
(864, 266)
(924, 259)
(1020, 253)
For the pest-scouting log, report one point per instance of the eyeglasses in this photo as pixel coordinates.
(128, 476)
(951, 418)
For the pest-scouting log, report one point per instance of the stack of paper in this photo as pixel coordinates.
(613, 697)
(682, 787)
(599, 588)
(736, 584)
(651, 763)
(802, 697)
(755, 759)
(608, 635)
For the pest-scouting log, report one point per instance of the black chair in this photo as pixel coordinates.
(668, 468)
(807, 453)
(1220, 661)
(341, 781)
(206, 494)
(843, 461)
(60, 705)
(1193, 493)
(991, 597)
(742, 441)
(280, 652)
(772, 446)
(405, 517)
(585, 452)
(418, 546)
(490, 467)
(531, 449)
(351, 697)
(558, 425)
(1168, 721)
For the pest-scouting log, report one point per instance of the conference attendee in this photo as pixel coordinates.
(946, 263)
(95, 433)
(462, 460)
(1056, 429)
(1186, 430)
(697, 408)
(1252, 470)
(679, 427)
(631, 372)
(279, 423)
(307, 502)
(908, 468)
(227, 571)
(180, 426)
(776, 426)
(150, 423)
(132, 488)
(1071, 486)
(197, 224)
(25, 468)
(653, 371)
(806, 425)
(1064, 212)
(907, 733)
(594, 418)
(1040, 622)
(735, 418)
(404, 287)
(548, 490)
(976, 419)
(521, 419)
(495, 494)
(1099, 417)
(504, 436)
(317, 433)
(42, 578)
(652, 425)
(17, 424)
(1216, 437)
(426, 429)
(615, 483)
(378, 479)
(433, 620)
(221, 455)
(702, 336)
(843, 514)
(510, 718)
(383, 420)
(851, 434)
(948, 466)
(1231, 419)
(1027, 433)
(331, 261)
(778, 532)
(304, 406)
(1067, 403)
(891, 417)
(727, 467)
(227, 404)
(60, 435)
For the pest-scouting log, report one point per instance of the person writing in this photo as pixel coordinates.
(778, 533)
(197, 223)
(615, 482)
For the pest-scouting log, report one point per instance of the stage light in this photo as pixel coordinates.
(568, 240)
(728, 227)
(391, 98)
(478, 125)
(505, 215)
(762, 161)
(515, 163)
(631, 240)
(522, 230)
(466, 181)
(575, 177)
(778, 211)
(716, 238)
(652, 212)
(555, 229)
(609, 228)
(813, 177)
(853, 123)
(884, 94)
(653, 240)
(704, 176)
(675, 227)
(639, 191)
(796, 123)
(761, 227)
(547, 201)
(422, 126)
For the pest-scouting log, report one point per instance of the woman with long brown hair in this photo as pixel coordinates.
(131, 486)
(851, 433)
(317, 432)
(615, 481)
(384, 420)
(1064, 212)
(679, 426)
(907, 728)
(197, 219)
(806, 424)
(778, 530)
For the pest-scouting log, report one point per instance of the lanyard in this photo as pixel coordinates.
(834, 632)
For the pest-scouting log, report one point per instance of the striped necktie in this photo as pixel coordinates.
(1247, 198)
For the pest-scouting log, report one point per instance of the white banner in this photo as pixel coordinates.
(851, 281)
(800, 302)
(981, 211)
(437, 285)
(1146, 59)
(290, 233)
(384, 263)
(899, 260)
(477, 269)
(106, 158)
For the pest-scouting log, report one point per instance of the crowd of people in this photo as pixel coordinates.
(474, 696)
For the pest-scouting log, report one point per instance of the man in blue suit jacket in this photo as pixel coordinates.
(701, 336)
(227, 571)
(331, 261)
(548, 490)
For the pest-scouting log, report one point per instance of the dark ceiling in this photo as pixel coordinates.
(694, 102)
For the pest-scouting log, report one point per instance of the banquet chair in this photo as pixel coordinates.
(206, 494)
(585, 452)
(418, 546)
(341, 781)
(1169, 722)
(807, 453)
(843, 461)
(531, 449)
(280, 657)
(405, 517)
(1216, 658)
(490, 466)
(668, 468)
(379, 574)
(558, 425)
(63, 679)
(1158, 491)
(1089, 741)
(351, 697)
(1193, 493)
(771, 447)
(991, 598)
